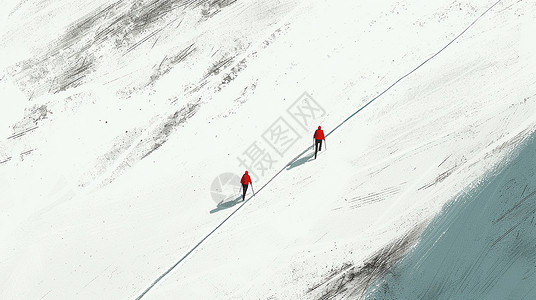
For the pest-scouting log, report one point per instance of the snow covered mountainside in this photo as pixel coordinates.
(121, 118)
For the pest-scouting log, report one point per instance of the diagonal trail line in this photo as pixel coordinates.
(310, 147)
(416, 68)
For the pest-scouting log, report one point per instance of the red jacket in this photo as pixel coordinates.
(245, 178)
(319, 134)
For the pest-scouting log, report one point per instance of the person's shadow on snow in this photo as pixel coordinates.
(227, 204)
(301, 161)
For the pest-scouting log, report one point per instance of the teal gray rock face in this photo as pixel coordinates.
(481, 246)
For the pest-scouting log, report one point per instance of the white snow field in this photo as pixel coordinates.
(118, 116)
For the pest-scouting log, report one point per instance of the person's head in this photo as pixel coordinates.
(319, 127)
(246, 172)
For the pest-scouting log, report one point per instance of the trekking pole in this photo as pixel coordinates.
(325, 144)
(252, 189)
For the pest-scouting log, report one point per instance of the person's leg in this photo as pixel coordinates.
(320, 148)
(316, 147)
(244, 189)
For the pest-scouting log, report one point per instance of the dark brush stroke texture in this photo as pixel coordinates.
(444, 175)
(481, 246)
(168, 62)
(122, 25)
(350, 282)
(161, 134)
(374, 197)
(33, 116)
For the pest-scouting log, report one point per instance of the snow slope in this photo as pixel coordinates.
(116, 187)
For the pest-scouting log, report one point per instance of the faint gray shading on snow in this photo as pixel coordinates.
(212, 7)
(18, 144)
(445, 174)
(243, 63)
(33, 116)
(162, 132)
(103, 162)
(169, 62)
(507, 145)
(238, 67)
(133, 147)
(374, 197)
(246, 92)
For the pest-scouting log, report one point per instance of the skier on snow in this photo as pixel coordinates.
(318, 137)
(245, 181)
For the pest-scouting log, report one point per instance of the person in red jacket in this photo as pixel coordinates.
(245, 181)
(318, 137)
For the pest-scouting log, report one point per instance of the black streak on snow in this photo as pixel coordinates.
(439, 178)
(6, 160)
(374, 197)
(26, 153)
(19, 134)
(143, 40)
